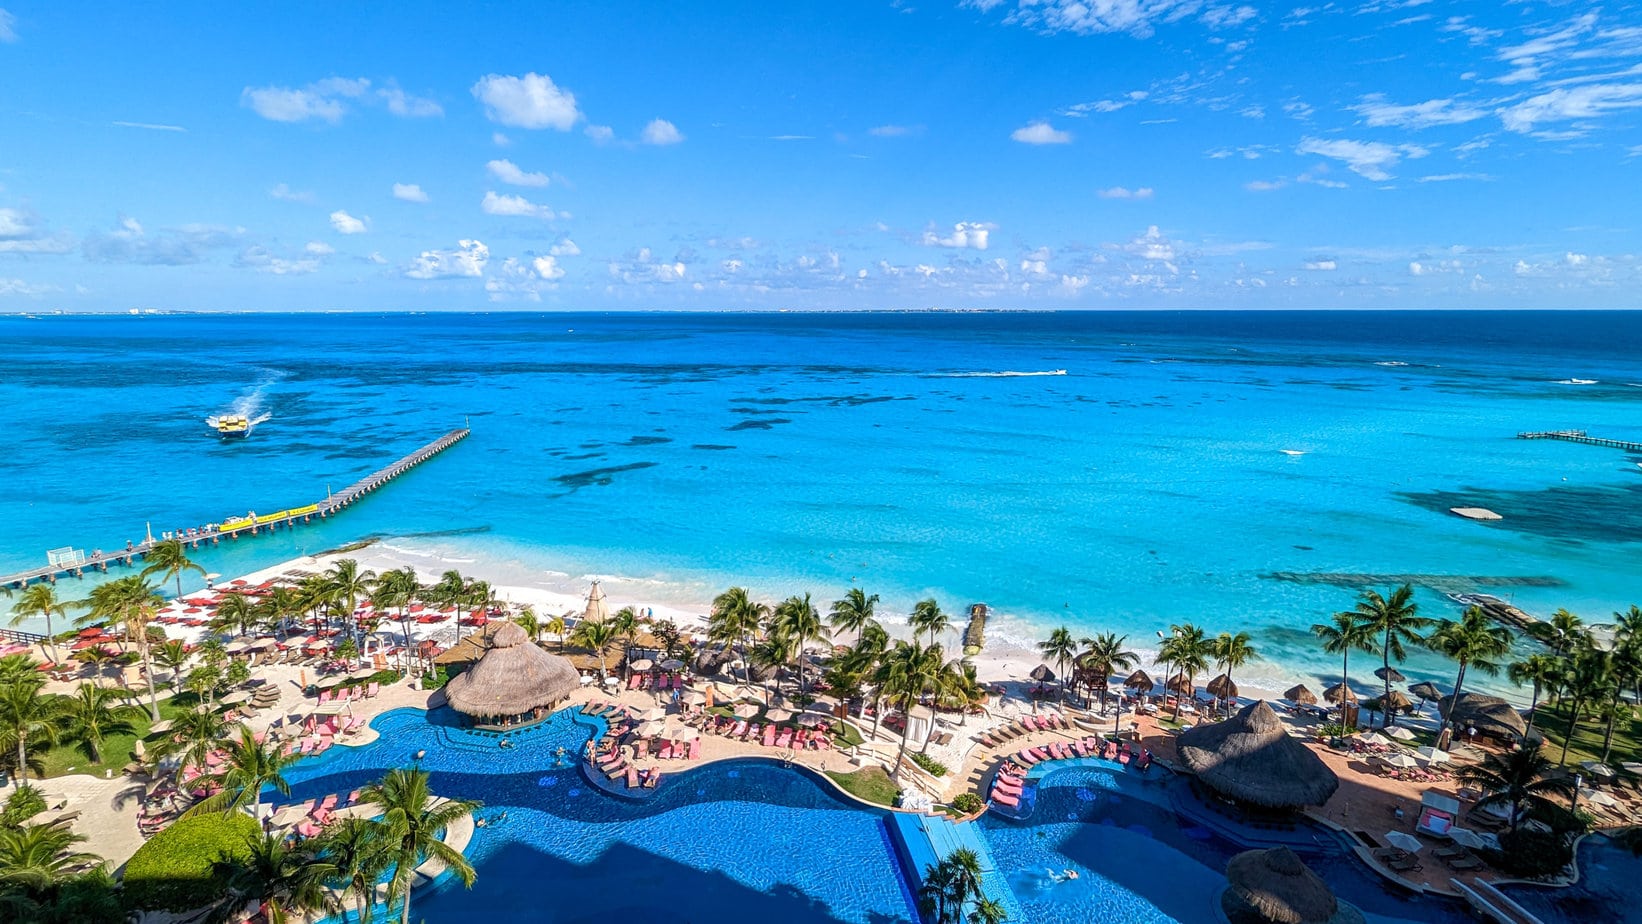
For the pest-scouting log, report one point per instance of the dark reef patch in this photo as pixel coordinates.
(760, 424)
(713, 446)
(647, 441)
(600, 476)
(1579, 514)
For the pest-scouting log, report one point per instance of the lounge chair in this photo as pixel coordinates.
(695, 749)
(769, 736)
(784, 740)
(1449, 853)
(1405, 864)
(641, 748)
(739, 730)
(620, 769)
(665, 752)
(632, 778)
(1003, 798)
(1461, 864)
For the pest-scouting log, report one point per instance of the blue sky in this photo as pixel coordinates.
(913, 154)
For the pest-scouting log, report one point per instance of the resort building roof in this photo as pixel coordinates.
(1250, 757)
(1276, 887)
(1490, 714)
(513, 678)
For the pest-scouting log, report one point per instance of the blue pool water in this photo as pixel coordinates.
(741, 841)
(1609, 890)
(1139, 862)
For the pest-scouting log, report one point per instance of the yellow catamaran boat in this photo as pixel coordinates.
(231, 427)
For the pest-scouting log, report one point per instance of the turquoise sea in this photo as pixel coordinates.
(916, 454)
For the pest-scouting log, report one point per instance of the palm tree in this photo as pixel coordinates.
(1186, 652)
(1587, 679)
(855, 610)
(28, 716)
(1232, 651)
(1522, 780)
(450, 590)
(1562, 632)
(734, 620)
(92, 714)
(360, 858)
(596, 635)
(194, 735)
(131, 602)
(1060, 648)
(398, 588)
(796, 620)
(557, 626)
(1104, 655)
(287, 879)
(1473, 641)
(99, 657)
(625, 624)
(41, 600)
(987, 911)
(236, 614)
(345, 584)
(907, 672)
(670, 636)
(1542, 670)
(172, 655)
(409, 830)
(1344, 633)
(37, 858)
(771, 651)
(527, 621)
(248, 765)
(927, 617)
(949, 885)
(1397, 621)
(170, 557)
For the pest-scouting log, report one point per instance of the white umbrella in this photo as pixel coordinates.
(361, 673)
(650, 729)
(685, 734)
(1404, 841)
(778, 715)
(1598, 768)
(746, 710)
(1465, 837)
(643, 664)
(694, 698)
(672, 664)
(1631, 766)
(290, 814)
(1597, 797)
(1400, 760)
(654, 712)
(1400, 733)
(164, 725)
(1432, 755)
(1374, 738)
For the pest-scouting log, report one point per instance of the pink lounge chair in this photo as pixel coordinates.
(1002, 784)
(641, 748)
(695, 749)
(823, 742)
(798, 740)
(1004, 798)
(323, 746)
(739, 730)
(308, 745)
(752, 732)
(1081, 748)
(769, 736)
(373, 689)
(666, 751)
(633, 681)
(324, 696)
(632, 778)
(785, 739)
(330, 802)
(308, 829)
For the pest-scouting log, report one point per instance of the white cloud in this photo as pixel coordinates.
(377, 258)
(524, 278)
(409, 192)
(1324, 266)
(1576, 259)
(319, 249)
(8, 29)
(18, 286)
(1377, 112)
(515, 206)
(285, 192)
(150, 126)
(23, 232)
(129, 242)
(1119, 192)
(508, 172)
(601, 134)
(262, 260)
(500, 140)
(1137, 17)
(641, 266)
(565, 248)
(1366, 158)
(531, 101)
(1565, 104)
(1264, 185)
(661, 132)
(1040, 133)
(892, 131)
(324, 100)
(468, 260)
(1152, 245)
(1451, 177)
(1082, 110)
(346, 224)
(407, 106)
(1416, 268)
(965, 234)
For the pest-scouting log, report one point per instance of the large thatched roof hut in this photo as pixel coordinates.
(1489, 714)
(514, 680)
(1274, 887)
(1251, 758)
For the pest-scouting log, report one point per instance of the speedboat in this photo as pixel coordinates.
(230, 427)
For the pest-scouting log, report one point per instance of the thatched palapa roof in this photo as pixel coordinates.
(1139, 680)
(1301, 694)
(1340, 693)
(1275, 886)
(1223, 687)
(512, 678)
(597, 610)
(1395, 675)
(1490, 714)
(1251, 758)
(1425, 689)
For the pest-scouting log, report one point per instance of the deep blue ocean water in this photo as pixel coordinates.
(678, 453)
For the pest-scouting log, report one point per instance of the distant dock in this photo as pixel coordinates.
(1580, 436)
(64, 564)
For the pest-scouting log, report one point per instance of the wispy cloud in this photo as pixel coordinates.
(661, 132)
(409, 192)
(1040, 133)
(8, 27)
(894, 131)
(130, 242)
(1365, 158)
(151, 126)
(515, 207)
(1378, 112)
(510, 173)
(1120, 192)
(282, 191)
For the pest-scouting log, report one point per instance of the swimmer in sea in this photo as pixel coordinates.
(421, 754)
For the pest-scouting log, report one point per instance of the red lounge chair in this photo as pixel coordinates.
(665, 752)
(1081, 748)
(769, 736)
(785, 739)
(695, 749)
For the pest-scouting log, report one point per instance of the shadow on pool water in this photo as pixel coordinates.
(1609, 890)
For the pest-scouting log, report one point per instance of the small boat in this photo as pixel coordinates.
(230, 427)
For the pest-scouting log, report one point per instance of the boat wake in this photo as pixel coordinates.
(1576, 381)
(991, 375)
(252, 405)
(1293, 452)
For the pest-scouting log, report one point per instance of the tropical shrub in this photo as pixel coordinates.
(24, 803)
(1531, 853)
(436, 678)
(174, 871)
(930, 764)
(967, 802)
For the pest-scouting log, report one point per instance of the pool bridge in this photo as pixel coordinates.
(250, 525)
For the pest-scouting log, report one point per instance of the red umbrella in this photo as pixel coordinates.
(83, 644)
(92, 632)
(239, 582)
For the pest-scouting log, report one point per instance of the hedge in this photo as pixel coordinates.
(173, 871)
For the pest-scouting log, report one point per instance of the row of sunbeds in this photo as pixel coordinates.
(1006, 784)
(1025, 725)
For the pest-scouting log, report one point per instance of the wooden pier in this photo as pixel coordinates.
(241, 526)
(1580, 436)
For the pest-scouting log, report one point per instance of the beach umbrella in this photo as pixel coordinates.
(1374, 738)
(654, 712)
(1402, 761)
(1405, 841)
(1426, 690)
(1631, 766)
(650, 729)
(693, 698)
(1400, 733)
(234, 698)
(685, 733)
(1223, 687)
(1465, 837)
(643, 664)
(1340, 693)
(1598, 768)
(672, 664)
(1432, 756)
(160, 727)
(1042, 674)
(778, 715)
(1397, 701)
(1392, 673)
(1182, 684)
(1139, 680)
(290, 814)
(746, 710)
(1300, 694)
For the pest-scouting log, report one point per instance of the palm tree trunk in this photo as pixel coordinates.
(51, 637)
(1607, 737)
(22, 761)
(1345, 673)
(1385, 655)
(148, 676)
(906, 730)
(1573, 721)
(1533, 707)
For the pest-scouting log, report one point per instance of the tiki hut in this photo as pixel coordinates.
(1139, 681)
(513, 681)
(1395, 675)
(1300, 694)
(1222, 687)
(1274, 887)
(1340, 693)
(596, 610)
(1426, 690)
(1397, 702)
(1042, 674)
(1183, 685)
(1251, 758)
(1490, 715)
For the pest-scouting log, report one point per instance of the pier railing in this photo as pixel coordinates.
(235, 528)
(1580, 436)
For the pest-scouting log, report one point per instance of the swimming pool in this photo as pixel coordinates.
(1139, 862)
(1609, 890)
(743, 840)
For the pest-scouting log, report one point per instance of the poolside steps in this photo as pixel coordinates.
(921, 841)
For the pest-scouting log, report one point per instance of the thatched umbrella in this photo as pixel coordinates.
(1042, 674)
(1274, 886)
(1396, 702)
(596, 608)
(1489, 714)
(1384, 672)
(1340, 693)
(1222, 687)
(511, 679)
(1251, 758)
(1182, 684)
(1300, 694)
(1139, 680)
(1426, 690)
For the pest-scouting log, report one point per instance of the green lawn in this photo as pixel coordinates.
(67, 758)
(1587, 743)
(869, 784)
